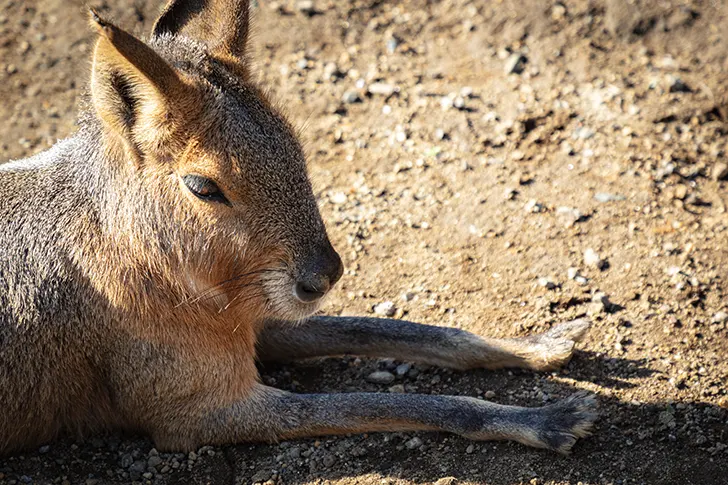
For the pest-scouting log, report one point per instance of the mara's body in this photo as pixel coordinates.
(149, 260)
(80, 329)
(50, 365)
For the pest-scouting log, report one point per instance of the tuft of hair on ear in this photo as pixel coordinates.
(95, 19)
(135, 92)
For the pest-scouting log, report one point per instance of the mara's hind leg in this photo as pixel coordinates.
(403, 340)
(269, 414)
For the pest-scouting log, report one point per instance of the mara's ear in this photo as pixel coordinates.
(135, 92)
(222, 24)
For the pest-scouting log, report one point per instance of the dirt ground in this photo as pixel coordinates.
(466, 155)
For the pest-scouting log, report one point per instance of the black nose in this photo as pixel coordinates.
(319, 276)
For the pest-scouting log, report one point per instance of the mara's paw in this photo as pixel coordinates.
(554, 349)
(562, 423)
(573, 330)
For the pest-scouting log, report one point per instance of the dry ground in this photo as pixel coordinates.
(463, 194)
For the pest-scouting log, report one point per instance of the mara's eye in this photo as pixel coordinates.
(204, 188)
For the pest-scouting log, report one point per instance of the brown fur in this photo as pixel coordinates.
(127, 301)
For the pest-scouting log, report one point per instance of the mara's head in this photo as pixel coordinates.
(219, 171)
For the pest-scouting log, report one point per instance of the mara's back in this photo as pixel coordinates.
(49, 353)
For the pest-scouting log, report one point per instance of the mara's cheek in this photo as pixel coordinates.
(201, 290)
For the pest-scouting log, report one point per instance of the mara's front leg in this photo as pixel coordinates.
(403, 340)
(269, 414)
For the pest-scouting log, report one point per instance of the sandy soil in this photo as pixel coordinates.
(463, 192)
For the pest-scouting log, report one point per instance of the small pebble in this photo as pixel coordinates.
(547, 283)
(306, 7)
(351, 97)
(261, 476)
(602, 299)
(413, 443)
(385, 309)
(515, 64)
(402, 369)
(392, 44)
(720, 172)
(329, 460)
(510, 193)
(154, 461)
(126, 461)
(591, 258)
(605, 197)
(581, 280)
(569, 215)
(380, 377)
(677, 85)
(584, 133)
(383, 89)
(534, 207)
(339, 198)
(720, 317)
(558, 12)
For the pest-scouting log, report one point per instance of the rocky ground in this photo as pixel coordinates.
(496, 166)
